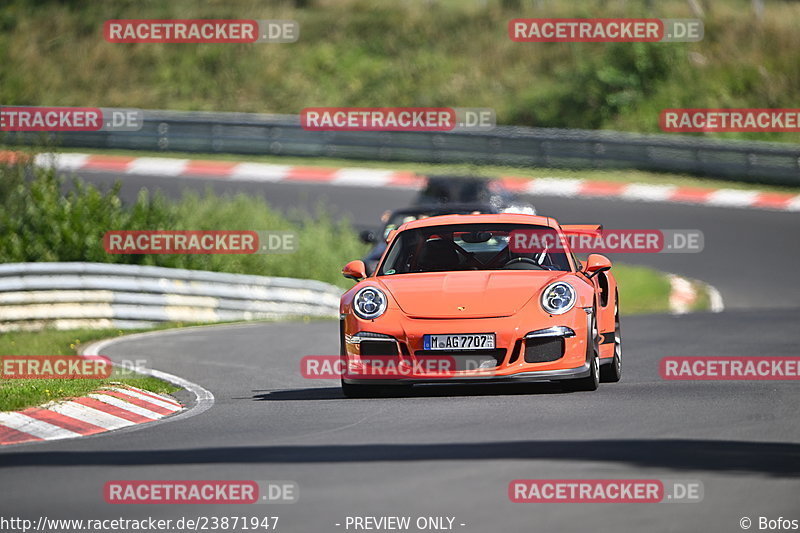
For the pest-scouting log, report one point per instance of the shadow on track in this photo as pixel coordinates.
(424, 391)
(770, 458)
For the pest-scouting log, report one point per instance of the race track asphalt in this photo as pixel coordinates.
(452, 451)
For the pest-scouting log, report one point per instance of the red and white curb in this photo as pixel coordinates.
(104, 410)
(683, 295)
(368, 177)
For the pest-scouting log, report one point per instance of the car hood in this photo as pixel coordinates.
(494, 293)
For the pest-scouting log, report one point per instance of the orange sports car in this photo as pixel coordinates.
(480, 298)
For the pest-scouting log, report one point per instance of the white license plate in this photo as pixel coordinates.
(462, 341)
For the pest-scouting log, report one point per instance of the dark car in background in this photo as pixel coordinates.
(395, 219)
(446, 195)
(454, 189)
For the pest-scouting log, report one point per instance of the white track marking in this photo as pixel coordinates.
(157, 166)
(122, 404)
(62, 161)
(794, 205)
(144, 397)
(648, 193)
(35, 427)
(682, 294)
(363, 177)
(367, 177)
(717, 305)
(732, 197)
(259, 172)
(90, 415)
(555, 187)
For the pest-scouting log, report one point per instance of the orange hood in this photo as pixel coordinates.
(481, 293)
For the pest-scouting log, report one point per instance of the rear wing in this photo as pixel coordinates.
(590, 229)
(581, 229)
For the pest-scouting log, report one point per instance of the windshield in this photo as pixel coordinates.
(467, 247)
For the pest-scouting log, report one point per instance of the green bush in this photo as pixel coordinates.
(41, 223)
(418, 53)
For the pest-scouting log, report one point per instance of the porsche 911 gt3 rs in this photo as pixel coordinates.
(460, 290)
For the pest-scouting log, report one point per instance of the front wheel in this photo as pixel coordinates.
(592, 381)
(612, 372)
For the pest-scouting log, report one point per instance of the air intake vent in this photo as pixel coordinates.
(378, 348)
(544, 349)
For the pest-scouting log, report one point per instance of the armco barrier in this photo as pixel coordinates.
(243, 133)
(98, 295)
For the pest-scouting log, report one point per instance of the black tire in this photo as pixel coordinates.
(592, 381)
(612, 372)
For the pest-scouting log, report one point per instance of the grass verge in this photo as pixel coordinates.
(18, 394)
(40, 222)
(641, 290)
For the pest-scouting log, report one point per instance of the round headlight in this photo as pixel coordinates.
(558, 298)
(369, 303)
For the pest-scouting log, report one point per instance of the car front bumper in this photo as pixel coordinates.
(404, 336)
(520, 377)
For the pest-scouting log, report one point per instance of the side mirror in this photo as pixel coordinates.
(597, 263)
(367, 237)
(355, 270)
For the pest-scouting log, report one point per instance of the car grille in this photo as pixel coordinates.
(544, 350)
(470, 360)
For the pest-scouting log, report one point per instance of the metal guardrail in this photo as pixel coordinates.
(98, 295)
(243, 133)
